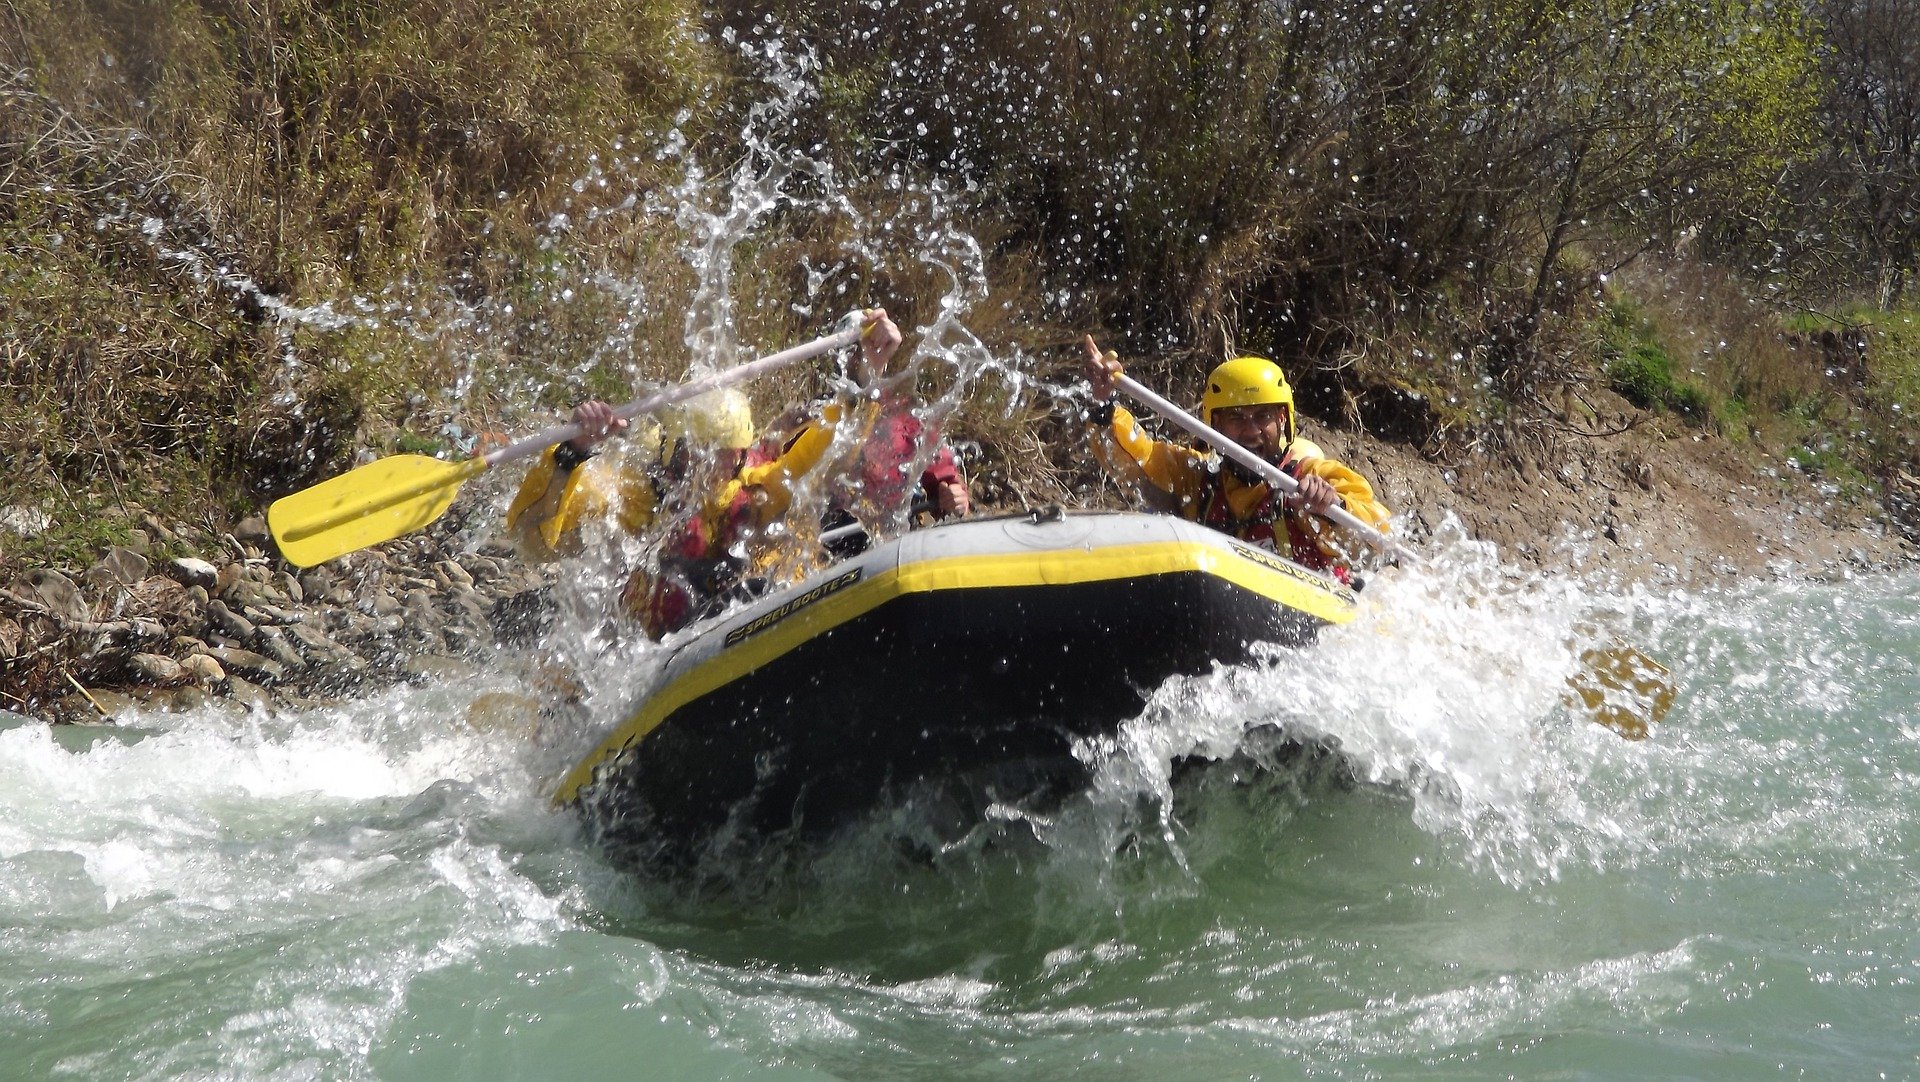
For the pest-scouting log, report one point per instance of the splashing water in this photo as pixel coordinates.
(1459, 875)
(1478, 877)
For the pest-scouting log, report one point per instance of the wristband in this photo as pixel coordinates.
(566, 456)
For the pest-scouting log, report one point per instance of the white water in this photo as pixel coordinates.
(380, 890)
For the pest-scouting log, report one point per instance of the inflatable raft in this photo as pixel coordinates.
(949, 651)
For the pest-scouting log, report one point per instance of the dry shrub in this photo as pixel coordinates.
(1300, 180)
(175, 175)
(1725, 334)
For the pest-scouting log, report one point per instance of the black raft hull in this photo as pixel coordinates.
(955, 651)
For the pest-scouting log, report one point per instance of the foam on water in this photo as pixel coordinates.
(288, 879)
(1449, 688)
(325, 893)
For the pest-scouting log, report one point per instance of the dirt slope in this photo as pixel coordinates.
(1658, 501)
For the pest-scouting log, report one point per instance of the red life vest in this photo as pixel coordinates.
(885, 456)
(1268, 525)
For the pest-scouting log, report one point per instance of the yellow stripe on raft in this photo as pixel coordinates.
(1283, 583)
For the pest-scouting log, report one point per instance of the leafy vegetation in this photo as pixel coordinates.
(239, 243)
(187, 190)
(1640, 370)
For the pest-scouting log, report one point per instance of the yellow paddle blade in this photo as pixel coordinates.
(1623, 689)
(505, 712)
(365, 506)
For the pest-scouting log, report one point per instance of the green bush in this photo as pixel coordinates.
(1640, 369)
(1690, 400)
(1643, 376)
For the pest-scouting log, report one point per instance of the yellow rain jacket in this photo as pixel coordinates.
(1197, 486)
(547, 512)
(545, 518)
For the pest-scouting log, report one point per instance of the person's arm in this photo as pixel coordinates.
(558, 493)
(946, 489)
(1350, 490)
(1165, 476)
(770, 484)
(1354, 492)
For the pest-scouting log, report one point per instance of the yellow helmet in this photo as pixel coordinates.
(720, 419)
(1247, 381)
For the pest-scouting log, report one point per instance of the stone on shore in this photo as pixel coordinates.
(157, 669)
(204, 668)
(190, 571)
(59, 594)
(238, 660)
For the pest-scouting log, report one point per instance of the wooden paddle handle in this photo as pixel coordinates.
(1266, 470)
(542, 440)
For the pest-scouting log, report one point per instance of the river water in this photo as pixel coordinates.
(1477, 881)
(1480, 883)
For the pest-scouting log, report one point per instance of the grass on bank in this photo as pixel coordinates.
(1639, 369)
(176, 175)
(1834, 389)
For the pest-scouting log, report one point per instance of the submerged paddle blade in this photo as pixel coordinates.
(1623, 689)
(365, 506)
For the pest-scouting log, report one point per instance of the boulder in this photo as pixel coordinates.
(156, 669)
(91, 707)
(225, 619)
(315, 644)
(317, 583)
(176, 700)
(120, 567)
(247, 663)
(469, 610)
(155, 528)
(264, 613)
(127, 565)
(203, 668)
(25, 521)
(273, 643)
(191, 572)
(482, 568)
(253, 530)
(58, 593)
(249, 694)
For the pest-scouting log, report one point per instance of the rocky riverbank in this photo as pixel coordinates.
(138, 630)
(1625, 496)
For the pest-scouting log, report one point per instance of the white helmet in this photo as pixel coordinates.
(719, 419)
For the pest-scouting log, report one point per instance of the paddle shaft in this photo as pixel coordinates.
(540, 441)
(1266, 470)
(388, 497)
